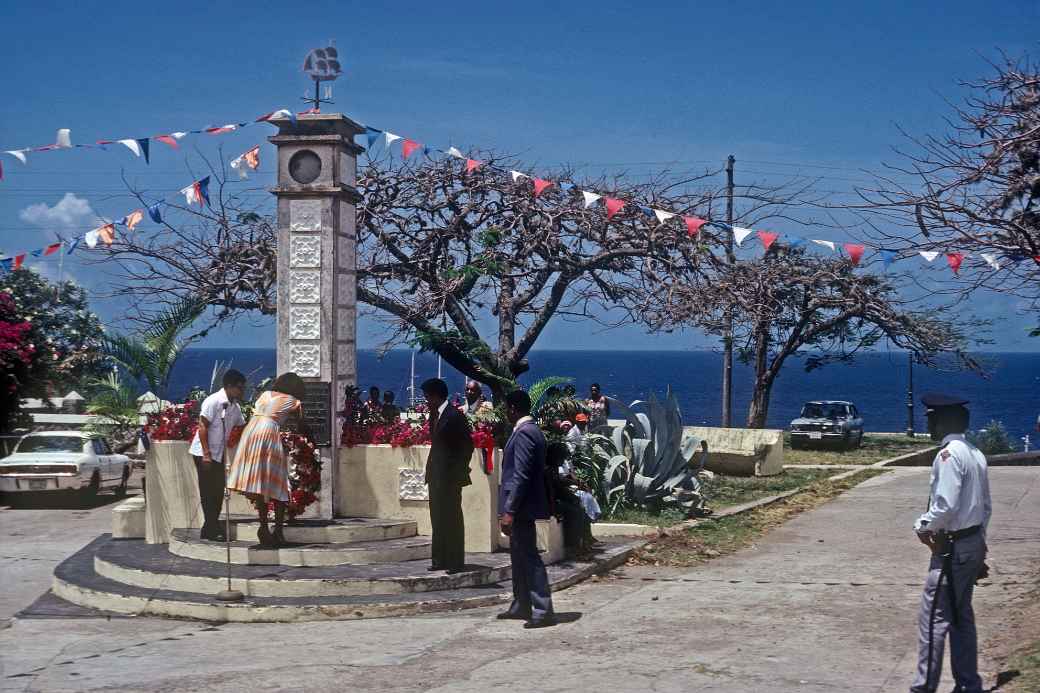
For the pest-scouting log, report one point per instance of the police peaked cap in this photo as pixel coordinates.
(935, 400)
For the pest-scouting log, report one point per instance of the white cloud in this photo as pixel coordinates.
(70, 213)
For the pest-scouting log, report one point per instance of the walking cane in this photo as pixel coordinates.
(227, 595)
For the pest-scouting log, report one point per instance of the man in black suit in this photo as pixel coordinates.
(523, 498)
(447, 471)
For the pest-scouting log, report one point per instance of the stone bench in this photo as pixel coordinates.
(742, 451)
(128, 519)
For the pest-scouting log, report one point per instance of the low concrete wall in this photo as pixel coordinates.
(742, 451)
(918, 458)
(370, 485)
(172, 489)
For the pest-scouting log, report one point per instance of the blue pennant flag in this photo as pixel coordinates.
(372, 134)
(566, 186)
(203, 189)
(426, 151)
(888, 256)
(5, 264)
(73, 244)
(647, 211)
(155, 212)
(795, 241)
(36, 253)
(143, 144)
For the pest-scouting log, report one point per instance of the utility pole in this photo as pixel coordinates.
(727, 339)
(910, 398)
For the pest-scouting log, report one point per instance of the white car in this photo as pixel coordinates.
(63, 461)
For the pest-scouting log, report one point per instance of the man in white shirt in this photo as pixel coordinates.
(220, 414)
(954, 528)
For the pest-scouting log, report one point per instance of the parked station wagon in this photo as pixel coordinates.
(836, 422)
(70, 461)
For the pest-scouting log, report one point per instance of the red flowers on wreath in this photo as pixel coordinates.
(304, 473)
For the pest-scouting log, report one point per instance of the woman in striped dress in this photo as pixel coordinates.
(260, 470)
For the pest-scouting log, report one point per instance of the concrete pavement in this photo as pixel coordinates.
(825, 603)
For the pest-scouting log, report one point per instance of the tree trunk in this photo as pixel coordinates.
(764, 377)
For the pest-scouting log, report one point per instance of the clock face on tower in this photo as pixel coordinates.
(305, 167)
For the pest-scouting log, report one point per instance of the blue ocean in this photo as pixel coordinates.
(876, 382)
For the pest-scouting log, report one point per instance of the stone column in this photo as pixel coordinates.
(317, 278)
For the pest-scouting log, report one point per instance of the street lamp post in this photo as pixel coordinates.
(910, 397)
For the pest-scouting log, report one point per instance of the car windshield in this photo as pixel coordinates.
(823, 411)
(50, 444)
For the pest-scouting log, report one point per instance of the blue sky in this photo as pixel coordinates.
(810, 88)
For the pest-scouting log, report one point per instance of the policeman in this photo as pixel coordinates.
(954, 528)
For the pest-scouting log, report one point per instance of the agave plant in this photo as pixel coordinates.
(653, 461)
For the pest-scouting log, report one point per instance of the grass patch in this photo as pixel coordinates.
(716, 537)
(1026, 667)
(874, 449)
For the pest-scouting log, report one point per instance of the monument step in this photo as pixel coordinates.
(133, 562)
(187, 544)
(76, 581)
(345, 530)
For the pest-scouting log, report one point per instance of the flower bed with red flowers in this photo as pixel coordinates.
(365, 426)
(177, 422)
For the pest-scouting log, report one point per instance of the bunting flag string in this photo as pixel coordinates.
(246, 161)
(613, 206)
(140, 146)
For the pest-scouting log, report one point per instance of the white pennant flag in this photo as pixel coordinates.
(456, 153)
(17, 153)
(239, 165)
(929, 255)
(92, 238)
(740, 233)
(662, 216)
(590, 198)
(63, 139)
(390, 137)
(825, 244)
(132, 145)
(517, 175)
(991, 260)
(178, 135)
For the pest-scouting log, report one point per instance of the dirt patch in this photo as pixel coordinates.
(1015, 649)
(712, 538)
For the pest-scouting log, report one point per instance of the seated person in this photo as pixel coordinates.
(567, 505)
(391, 412)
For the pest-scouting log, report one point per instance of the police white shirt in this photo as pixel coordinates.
(222, 416)
(960, 489)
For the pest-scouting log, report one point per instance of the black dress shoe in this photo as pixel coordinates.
(510, 616)
(546, 622)
(456, 570)
(217, 536)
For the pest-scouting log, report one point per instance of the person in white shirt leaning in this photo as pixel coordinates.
(219, 416)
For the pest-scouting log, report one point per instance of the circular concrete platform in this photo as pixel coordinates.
(187, 544)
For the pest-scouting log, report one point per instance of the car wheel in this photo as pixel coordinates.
(124, 482)
(859, 440)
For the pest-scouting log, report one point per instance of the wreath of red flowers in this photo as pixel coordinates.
(304, 473)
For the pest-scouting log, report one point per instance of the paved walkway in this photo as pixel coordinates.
(825, 603)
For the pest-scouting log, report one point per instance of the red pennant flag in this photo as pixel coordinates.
(472, 165)
(767, 238)
(855, 251)
(133, 219)
(540, 186)
(51, 249)
(18, 260)
(693, 225)
(409, 146)
(613, 206)
(954, 260)
(167, 139)
(221, 129)
(1036, 259)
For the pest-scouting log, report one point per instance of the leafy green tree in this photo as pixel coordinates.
(993, 439)
(114, 401)
(66, 334)
(151, 356)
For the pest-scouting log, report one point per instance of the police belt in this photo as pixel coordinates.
(961, 533)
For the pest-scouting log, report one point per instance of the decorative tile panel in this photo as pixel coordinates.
(305, 215)
(305, 360)
(411, 486)
(304, 322)
(305, 286)
(305, 251)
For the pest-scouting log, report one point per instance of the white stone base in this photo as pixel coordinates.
(128, 519)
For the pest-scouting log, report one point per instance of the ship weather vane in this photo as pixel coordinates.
(322, 65)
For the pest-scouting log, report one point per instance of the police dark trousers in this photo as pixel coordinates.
(946, 609)
(531, 593)
(211, 493)
(447, 525)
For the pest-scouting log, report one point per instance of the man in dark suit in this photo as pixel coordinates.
(447, 471)
(522, 499)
